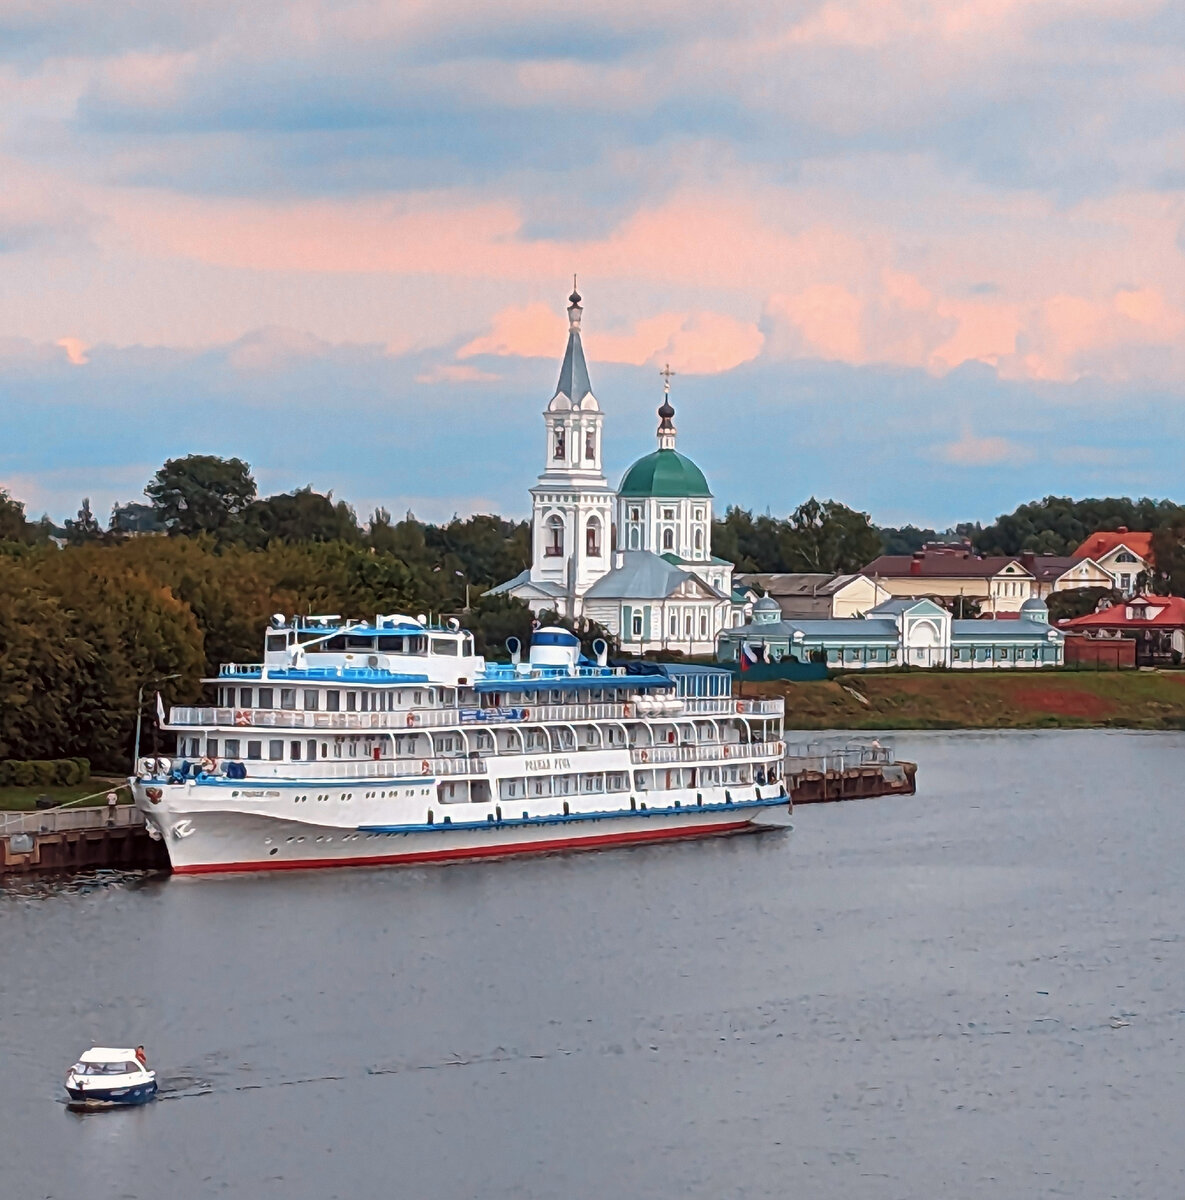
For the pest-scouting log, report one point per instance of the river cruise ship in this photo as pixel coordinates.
(357, 743)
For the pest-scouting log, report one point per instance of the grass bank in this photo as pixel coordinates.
(17, 799)
(984, 700)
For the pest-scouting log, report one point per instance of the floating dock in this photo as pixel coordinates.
(853, 771)
(75, 839)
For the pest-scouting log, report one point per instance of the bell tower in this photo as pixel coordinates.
(572, 504)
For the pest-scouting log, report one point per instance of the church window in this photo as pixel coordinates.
(592, 538)
(635, 514)
(703, 625)
(699, 514)
(560, 453)
(687, 625)
(668, 539)
(554, 547)
(674, 624)
(699, 540)
(590, 444)
(668, 514)
(637, 625)
(635, 538)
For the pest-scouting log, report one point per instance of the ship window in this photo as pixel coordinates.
(333, 701)
(296, 752)
(353, 747)
(266, 698)
(311, 701)
(333, 645)
(275, 750)
(232, 748)
(254, 749)
(445, 646)
(392, 645)
(245, 697)
(351, 702)
(337, 749)
(418, 698)
(324, 749)
(211, 747)
(359, 643)
(288, 698)
(277, 641)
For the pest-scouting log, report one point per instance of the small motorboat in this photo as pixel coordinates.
(110, 1078)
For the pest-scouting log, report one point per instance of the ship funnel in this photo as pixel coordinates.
(554, 647)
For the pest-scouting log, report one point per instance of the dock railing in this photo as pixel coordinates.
(59, 820)
(838, 756)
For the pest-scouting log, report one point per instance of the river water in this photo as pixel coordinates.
(974, 992)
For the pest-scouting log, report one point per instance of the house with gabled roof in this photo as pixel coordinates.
(950, 572)
(1125, 555)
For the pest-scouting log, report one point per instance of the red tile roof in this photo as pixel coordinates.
(1107, 540)
(1171, 615)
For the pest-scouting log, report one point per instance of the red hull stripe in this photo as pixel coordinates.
(576, 843)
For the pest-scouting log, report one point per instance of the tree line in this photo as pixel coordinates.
(176, 585)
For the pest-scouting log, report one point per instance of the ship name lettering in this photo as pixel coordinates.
(549, 764)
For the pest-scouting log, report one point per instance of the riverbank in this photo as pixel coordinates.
(983, 700)
(21, 799)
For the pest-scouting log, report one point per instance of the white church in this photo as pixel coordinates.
(638, 560)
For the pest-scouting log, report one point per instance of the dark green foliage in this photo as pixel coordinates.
(818, 536)
(53, 772)
(84, 528)
(1059, 524)
(1077, 602)
(202, 493)
(300, 516)
(905, 539)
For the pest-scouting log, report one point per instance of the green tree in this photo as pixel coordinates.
(828, 536)
(299, 516)
(1077, 602)
(13, 526)
(84, 528)
(201, 493)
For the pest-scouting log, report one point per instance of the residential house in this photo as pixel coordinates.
(1157, 623)
(952, 574)
(1124, 555)
(1058, 573)
(816, 594)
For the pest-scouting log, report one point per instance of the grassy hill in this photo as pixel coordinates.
(984, 700)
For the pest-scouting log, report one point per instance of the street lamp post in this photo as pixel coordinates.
(140, 711)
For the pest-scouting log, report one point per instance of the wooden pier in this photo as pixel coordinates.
(67, 839)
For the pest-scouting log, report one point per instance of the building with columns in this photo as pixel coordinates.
(637, 560)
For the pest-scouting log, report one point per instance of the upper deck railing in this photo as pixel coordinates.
(707, 752)
(409, 720)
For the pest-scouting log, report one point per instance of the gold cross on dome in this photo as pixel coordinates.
(666, 374)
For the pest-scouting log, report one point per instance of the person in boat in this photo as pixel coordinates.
(141, 1057)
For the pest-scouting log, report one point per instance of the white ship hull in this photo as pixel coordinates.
(204, 833)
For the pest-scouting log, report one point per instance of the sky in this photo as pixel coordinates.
(921, 256)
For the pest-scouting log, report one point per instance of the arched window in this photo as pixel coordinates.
(559, 453)
(592, 538)
(668, 539)
(554, 547)
(590, 445)
(635, 538)
(699, 539)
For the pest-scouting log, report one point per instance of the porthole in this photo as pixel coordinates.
(274, 850)
(267, 841)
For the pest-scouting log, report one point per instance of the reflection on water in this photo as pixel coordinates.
(971, 992)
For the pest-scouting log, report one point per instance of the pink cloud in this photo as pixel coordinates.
(75, 350)
(972, 451)
(700, 343)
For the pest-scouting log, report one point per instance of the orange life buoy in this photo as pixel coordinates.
(242, 717)
(727, 751)
(644, 755)
(411, 718)
(425, 767)
(625, 711)
(526, 714)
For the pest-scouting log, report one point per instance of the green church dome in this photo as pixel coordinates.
(664, 473)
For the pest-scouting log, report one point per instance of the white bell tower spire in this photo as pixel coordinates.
(572, 503)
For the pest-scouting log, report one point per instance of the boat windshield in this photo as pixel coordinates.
(112, 1068)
